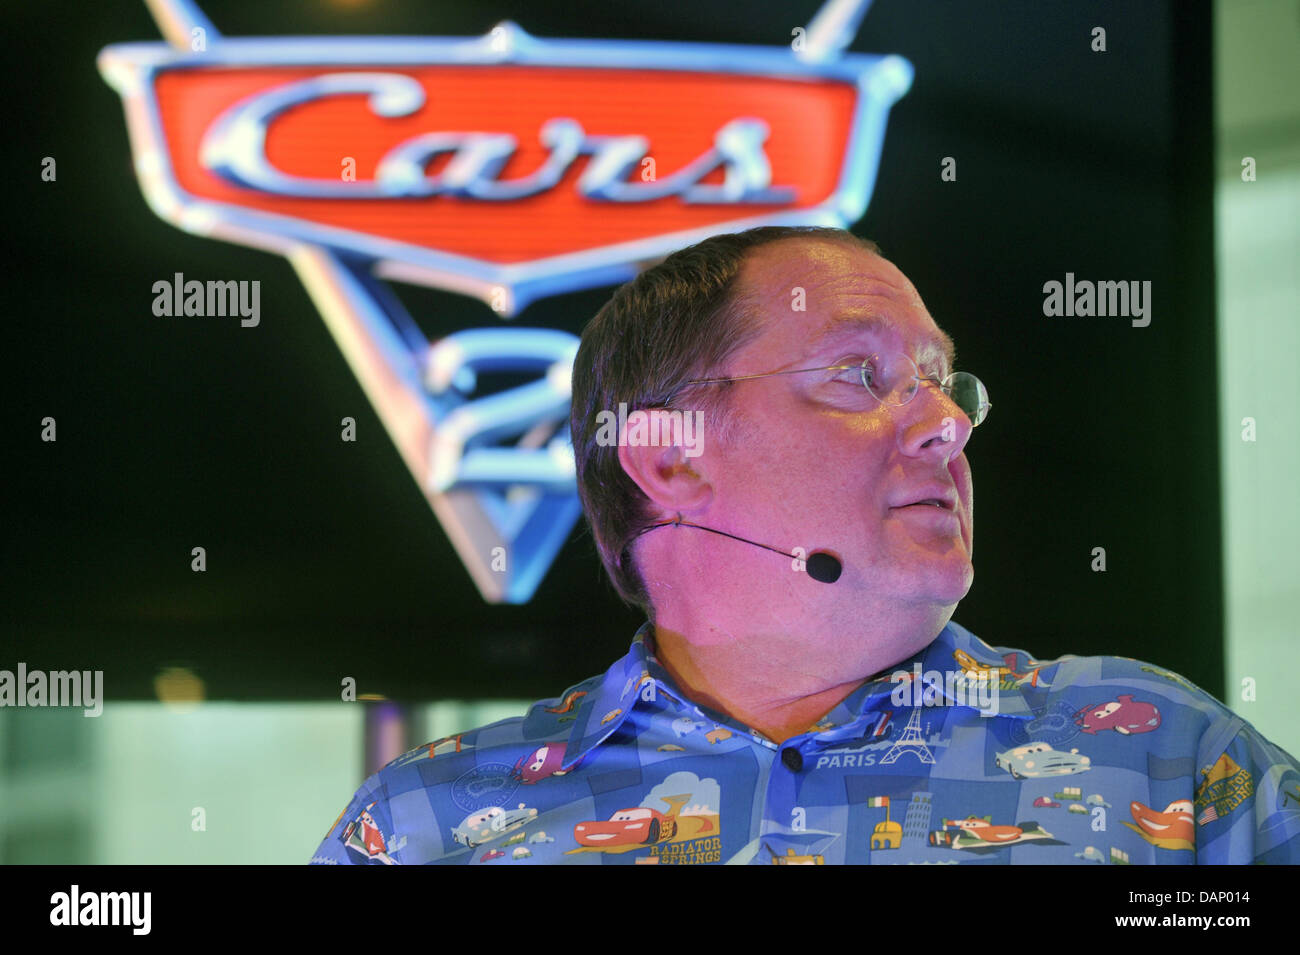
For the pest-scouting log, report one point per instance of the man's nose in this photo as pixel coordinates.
(933, 420)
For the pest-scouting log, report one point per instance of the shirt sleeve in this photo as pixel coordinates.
(363, 832)
(1247, 805)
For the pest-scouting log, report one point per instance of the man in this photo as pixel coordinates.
(800, 694)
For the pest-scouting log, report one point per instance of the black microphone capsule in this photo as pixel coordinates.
(823, 567)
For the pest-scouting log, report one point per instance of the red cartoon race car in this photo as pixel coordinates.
(637, 826)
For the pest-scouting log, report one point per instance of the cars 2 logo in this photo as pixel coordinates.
(504, 167)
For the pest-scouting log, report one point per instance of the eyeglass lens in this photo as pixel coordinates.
(894, 379)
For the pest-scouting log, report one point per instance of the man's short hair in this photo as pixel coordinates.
(677, 321)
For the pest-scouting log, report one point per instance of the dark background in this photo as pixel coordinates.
(324, 559)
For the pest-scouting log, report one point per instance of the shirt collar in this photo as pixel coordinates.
(1022, 685)
(604, 709)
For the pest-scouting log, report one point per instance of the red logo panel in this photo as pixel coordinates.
(679, 113)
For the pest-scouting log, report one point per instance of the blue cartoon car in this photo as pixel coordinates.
(1039, 759)
(491, 823)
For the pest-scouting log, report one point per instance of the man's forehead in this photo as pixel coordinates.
(835, 291)
(929, 340)
(822, 262)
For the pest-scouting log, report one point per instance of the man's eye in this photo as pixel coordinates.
(849, 370)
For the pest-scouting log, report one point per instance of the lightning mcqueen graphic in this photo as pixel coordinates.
(638, 825)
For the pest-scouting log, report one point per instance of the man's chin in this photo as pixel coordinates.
(952, 582)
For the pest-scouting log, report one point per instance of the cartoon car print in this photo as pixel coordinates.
(569, 703)
(540, 763)
(1170, 829)
(491, 823)
(363, 836)
(1078, 808)
(718, 734)
(1039, 759)
(1042, 802)
(984, 830)
(371, 837)
(1096, 800)
(439, 747)
(492, 854)
(684, 725)
(984, 671)
(969, 664)
(1124, 715)
(1091, 854)
(642, 682)
(638, 825)
(943, 838)
(521, 852)
(980, 834)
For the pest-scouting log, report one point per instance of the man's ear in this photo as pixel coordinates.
(673, 481)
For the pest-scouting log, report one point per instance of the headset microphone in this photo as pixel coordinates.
(820, 565)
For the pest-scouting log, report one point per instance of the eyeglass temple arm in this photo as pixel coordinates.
(767, 374)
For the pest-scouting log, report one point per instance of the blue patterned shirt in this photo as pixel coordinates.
(965, 753)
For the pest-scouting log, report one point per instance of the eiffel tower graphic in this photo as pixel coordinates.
(910, 742)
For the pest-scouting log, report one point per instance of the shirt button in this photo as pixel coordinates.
(793, 761)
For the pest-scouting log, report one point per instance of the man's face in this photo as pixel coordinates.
(818, 462)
